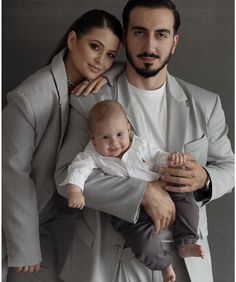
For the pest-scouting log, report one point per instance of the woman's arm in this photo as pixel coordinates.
(19, 203)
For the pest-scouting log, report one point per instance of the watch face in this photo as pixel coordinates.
(207, 184)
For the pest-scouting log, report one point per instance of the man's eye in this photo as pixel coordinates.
(138, 32)
(162, 35)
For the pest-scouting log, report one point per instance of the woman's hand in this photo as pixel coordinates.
(90, 86)
(30, 268)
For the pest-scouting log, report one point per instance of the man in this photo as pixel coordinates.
(172, 114)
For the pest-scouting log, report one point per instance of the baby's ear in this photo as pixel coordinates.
(92, 137)
(129, 126)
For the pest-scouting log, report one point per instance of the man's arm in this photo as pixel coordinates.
(219, 166)
(19, 203)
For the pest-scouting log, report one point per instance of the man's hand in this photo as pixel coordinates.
(190, 179)
(158, 205)
(30, 268)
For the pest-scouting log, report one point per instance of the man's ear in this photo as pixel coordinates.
(71, 40)
(175, 42)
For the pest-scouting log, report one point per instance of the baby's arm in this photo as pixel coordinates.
(75, 196)
(177, 159)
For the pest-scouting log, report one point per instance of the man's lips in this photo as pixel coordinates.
(148, 59)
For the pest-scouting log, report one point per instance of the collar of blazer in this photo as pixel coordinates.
(60, 79)
(177, 110)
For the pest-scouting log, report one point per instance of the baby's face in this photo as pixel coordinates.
(111, 137)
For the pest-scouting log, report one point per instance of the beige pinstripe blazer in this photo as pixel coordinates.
(33, 124)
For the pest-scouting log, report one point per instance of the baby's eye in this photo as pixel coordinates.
(105, 137)
(120, 134)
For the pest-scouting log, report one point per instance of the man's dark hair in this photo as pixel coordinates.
(150, 4)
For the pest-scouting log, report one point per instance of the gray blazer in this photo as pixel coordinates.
(33, 124)
(196, 124)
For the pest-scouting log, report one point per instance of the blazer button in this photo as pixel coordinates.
(117, 248)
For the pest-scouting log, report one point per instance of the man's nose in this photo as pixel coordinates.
(150, 44)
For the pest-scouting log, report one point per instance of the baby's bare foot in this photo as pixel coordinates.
(191, 250)
(168, 274)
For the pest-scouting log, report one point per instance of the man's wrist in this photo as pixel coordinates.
(207, 185)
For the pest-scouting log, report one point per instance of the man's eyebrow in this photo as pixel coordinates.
(138, 27)
(157, 30)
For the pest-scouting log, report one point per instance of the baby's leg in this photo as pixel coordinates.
(185, 229)
(191, 250)
(144, 242)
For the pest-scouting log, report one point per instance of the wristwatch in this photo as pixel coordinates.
(207, 184)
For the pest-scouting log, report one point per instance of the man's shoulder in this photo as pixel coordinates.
(194, 93)
(194, 90)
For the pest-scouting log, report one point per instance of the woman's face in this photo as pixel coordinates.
(92, 54)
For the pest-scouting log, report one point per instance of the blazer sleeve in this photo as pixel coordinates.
(117, 196)
(112, 74)
(220, 161)
(19, 203)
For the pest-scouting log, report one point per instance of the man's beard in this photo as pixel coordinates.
(146, 72)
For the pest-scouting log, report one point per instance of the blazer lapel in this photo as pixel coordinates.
(60, 79)
(177, 115)
(123, 97)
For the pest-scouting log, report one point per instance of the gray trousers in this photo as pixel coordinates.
(146, 244)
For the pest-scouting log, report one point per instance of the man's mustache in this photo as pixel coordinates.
(146, 55)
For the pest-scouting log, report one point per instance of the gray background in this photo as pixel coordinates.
(205, 56)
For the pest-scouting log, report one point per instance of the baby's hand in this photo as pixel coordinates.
(30, 268)
(177, 159)
(75, 197)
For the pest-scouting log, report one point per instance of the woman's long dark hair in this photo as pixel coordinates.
(88, 21)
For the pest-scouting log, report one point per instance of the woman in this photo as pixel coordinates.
(34, 123)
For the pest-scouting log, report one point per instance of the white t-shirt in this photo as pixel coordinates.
(151, 113)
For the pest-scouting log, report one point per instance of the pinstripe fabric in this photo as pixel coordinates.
(32, 124)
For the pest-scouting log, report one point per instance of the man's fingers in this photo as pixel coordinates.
(156, 224)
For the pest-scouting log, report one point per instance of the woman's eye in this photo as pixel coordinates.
(95, 46)
(111, 55)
